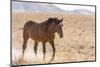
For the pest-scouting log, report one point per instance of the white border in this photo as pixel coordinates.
(5, 33)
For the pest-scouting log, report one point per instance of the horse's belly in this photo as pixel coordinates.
(42, 38)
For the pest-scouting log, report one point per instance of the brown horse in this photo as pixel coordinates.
(42, 32)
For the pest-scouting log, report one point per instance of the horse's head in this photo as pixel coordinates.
(56, 25)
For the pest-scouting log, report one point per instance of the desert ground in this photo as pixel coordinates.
(78, 43)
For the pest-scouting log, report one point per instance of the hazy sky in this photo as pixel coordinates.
(73, 7)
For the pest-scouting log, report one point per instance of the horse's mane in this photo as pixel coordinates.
(48, 21)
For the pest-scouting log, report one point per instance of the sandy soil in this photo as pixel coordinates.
(78, 43)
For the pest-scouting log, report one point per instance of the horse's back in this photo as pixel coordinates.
(29, 24)
(37, 32)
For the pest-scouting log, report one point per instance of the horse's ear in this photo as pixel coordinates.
(61, 20)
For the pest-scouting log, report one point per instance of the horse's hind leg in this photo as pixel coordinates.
(44, 49)
(35, 48)
(25, 38)
(52, 44)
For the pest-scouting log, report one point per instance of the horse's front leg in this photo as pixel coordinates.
(52, 45)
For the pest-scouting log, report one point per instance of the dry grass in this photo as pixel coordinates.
(78, 43)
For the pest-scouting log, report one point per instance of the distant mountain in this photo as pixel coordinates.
(35, 7)
(39, 7)
(83, 11)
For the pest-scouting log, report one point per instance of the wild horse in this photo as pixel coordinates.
(42, 32)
